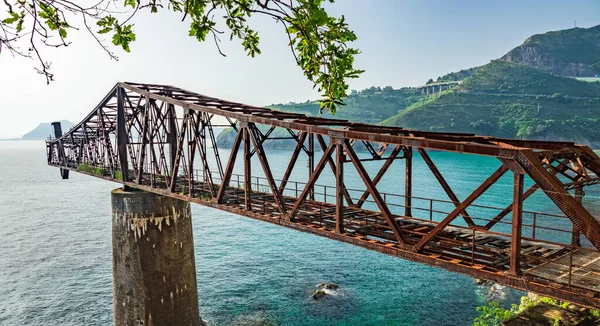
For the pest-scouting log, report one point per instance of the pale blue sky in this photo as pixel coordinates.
(403, 43)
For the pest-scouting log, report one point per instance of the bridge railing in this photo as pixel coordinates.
(537, 226)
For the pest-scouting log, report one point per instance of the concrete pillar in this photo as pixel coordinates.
(154, 273)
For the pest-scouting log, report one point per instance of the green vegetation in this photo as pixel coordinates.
(459, 75)
(493, 314)
(511, 100)
(84, 167)
(319, 43)
(370, 105)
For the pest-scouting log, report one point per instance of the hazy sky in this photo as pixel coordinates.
(403, 43)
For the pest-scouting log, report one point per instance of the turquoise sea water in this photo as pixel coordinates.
(55, 255)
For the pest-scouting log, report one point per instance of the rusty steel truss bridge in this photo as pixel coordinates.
(161, 139)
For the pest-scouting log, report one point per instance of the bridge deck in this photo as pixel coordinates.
(490, 252)
(579, 267)
(584, 271)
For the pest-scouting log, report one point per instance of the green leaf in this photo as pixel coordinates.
(62, 32)
(13, 18)
(131, 3)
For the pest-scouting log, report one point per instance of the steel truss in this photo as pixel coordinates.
(161, 139)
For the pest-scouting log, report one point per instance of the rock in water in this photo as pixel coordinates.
(328, 286)
(318, 294)
(322, 289)
(481, 281)
(332, 286)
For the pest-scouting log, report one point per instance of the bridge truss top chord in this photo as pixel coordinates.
(161, 139)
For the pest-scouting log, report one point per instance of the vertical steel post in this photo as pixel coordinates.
(517, 224)
(203, 119)
(144, 141)
(64, 173)
(534, 225)
(339, 186)
(311, 162)
(473, 247)
(247, 169)
(122, 138)
(172, 134)
(576, 235)
(408, 154)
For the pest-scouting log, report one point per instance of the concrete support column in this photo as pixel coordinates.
(154, 272)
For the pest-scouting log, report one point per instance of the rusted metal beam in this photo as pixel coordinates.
(585, 222)
(311, 181)
(201, 124)
(247, 169)
(145, 140)
(122, 136)
(383, 208)
(293, 159)
(213, 142)
(172, 133)
(339, 185)
(311, 161)
(576, 235)
(517, 225)
(442, 181)
(179, 151)
(461, 207)
(386, 165)
(408, 173)
(230, 165)
(333, 169)
(264, 162)
(509, 208)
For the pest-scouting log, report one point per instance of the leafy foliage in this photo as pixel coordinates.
(493, 314)
(318, 41)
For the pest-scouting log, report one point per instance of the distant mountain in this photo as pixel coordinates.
(43, 130)
(571, 52)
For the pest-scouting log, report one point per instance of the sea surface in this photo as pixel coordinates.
(55, 255)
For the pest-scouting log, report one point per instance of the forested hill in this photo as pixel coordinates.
(370, 105)
(511, 100)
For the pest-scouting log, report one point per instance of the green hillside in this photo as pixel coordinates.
(511, 100)
(459, 75)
